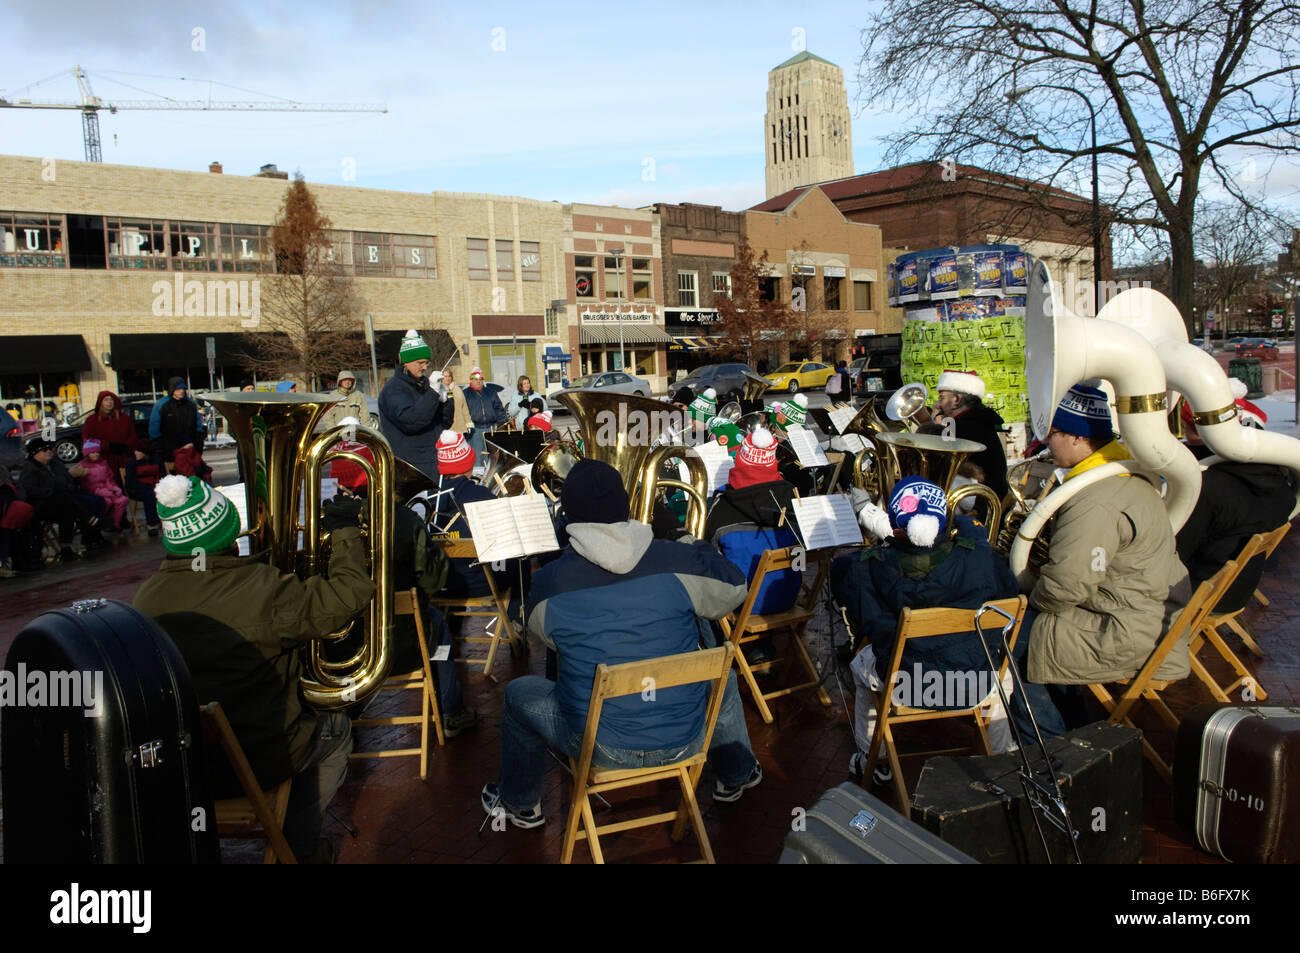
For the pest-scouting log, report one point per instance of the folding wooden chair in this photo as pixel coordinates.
(133, 506)
(632, 678)
(259, 813)
(495, 605)
(1280, 531)
(745, 626)
(1145, 684)
(917, 624)
(421, 680)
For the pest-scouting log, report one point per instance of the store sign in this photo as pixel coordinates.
(833, 271)
(808, 270)
(611, 317)
(582, 285)
(691, 317)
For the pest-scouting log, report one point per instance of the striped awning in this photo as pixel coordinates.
(693, 344)
(632, 334)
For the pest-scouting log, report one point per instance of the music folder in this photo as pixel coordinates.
(806, 447)
(826, 521)
(511, 527)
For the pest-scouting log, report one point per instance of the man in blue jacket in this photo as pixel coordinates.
(485, 409)
(616, 594)
(412, 413)
(176, 420)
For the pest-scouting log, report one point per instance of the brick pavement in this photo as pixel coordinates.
(400, 819)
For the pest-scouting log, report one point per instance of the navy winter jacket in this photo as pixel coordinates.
(412, 417)
(466, 577)
(616, 595)
(743, 524)
(484, 408)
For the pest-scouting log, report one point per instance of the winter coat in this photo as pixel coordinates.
(1111, 586)
(877, 584)
(143, 475)
(239, 625)
(485, 408)
(100, 478)
(982, 425)
(176, 422)
(742, 524)
(518, 410)
(115, 432)
(460, 419)
(188, 461)
(350, 404)
(1237, 501)
(466, 578)
(412, 417)
(616, 595)
(41, 483)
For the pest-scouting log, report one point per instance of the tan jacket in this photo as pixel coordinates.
(1109, 589)
(460, 419)
(352, 404)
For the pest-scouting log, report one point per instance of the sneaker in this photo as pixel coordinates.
(491, 801)
(882, 774)
(463, 720)
(725, 794)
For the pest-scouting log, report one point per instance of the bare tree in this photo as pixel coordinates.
(311, 323)
(1178, 88)
(1232, 241)
(746, 315)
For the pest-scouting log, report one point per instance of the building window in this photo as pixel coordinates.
(642, 280)
(530, 260)
(31, 241)
(687, 297)
(862, 296)
(505, 260)
(415, 256)
(339, 251)
(722, 284)
(584, 276)
(372, 254)
(193, 246)
(831, 292)
(614, 278)
(769, 289)
(477, 258)
(136, 243)
(552, 323)
(243, 248)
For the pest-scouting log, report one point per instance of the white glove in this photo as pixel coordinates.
(875, 521)
(441, 389)
(469, 426)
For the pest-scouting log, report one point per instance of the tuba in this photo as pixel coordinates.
(937, 459)
(631, 447)
(282, 465)
(504, 468)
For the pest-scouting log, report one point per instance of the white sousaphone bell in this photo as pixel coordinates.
(907, 401)
(1139, 344)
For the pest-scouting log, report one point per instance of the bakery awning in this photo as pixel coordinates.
(131, 352)
(632, 334)
(39, 353)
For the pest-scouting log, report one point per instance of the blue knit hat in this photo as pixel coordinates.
(1084, 412)
(920, 508)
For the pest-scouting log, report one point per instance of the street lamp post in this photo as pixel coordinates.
(618, 271)
(1096, 193)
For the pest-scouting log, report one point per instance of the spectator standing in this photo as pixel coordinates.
(175, 420)
(460, 421)
(485, 410)
(351, 403)
(112, 426)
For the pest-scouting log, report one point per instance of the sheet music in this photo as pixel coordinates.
(826, 521)
(510, 527)
(533, 520)
(238, 497)
(718, 462)
(841, 416)
(805, 447)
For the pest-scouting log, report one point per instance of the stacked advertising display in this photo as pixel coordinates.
(964, 309)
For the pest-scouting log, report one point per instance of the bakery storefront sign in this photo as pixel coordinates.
(599, 318)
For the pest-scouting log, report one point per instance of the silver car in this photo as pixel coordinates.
(615, 382)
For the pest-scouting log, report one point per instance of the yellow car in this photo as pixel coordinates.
(800, 375)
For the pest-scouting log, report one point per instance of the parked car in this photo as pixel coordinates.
(67, 439)
(799, 375)
(615, 382)
(728, 380)
(1255, 347)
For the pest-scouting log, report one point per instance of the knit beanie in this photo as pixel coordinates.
(413, 349)
(795, 410)
(476, 373)
(961, 382)
(541, 420)
(194, 515)
(455, 455)
(728, 435)
(919, 508)
(704, 407)
(755, 460)
(683, 396)
(347, 473)
(91, 446)
(593, 493)
(1084, 412)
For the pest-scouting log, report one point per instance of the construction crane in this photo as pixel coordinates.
(91, 104)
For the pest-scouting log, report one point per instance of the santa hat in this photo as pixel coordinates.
(91, 445)
(795, 410)
(195, 516)
(455, 455)
(919, 508)
(414, 349)
(961, 382)
(705, 406)
(1084, 412)
(755, 461)
(542, 421)
(1250, 415)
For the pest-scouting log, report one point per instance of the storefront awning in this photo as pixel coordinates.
(132, 352)
(632, 334)
(681, 343)
(39, 353)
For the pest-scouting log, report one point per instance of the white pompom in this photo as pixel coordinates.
(172, 491)
(800, 399)
(875, 521)
(448, 437)
(923, 530)
(1238, 387)
(710, 393)
(349, 422)
(412, 333)
(761, 437)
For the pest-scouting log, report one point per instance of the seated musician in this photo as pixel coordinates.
(1112, 582)
(239, 624)
(918, 566)
(616, 595)
(961, 400)
(1237, 501)
(416, 564)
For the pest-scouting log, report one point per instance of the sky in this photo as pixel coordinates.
(609, 103)
(622, 104)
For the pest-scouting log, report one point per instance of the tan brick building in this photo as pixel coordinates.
(90, 256)
(829, 265)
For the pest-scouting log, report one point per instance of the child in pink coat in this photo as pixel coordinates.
(101, 481)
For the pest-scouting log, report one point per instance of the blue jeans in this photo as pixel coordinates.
(531, 721)
(317, 780)
(1040, 697)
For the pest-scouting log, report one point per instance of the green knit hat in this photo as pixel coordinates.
(195, 516)
(705, 406)
(414, 349)
(795, 409)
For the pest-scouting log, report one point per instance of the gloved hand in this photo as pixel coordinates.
(469, 426)
(340, 514)
(441, 388)
(875, 521)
